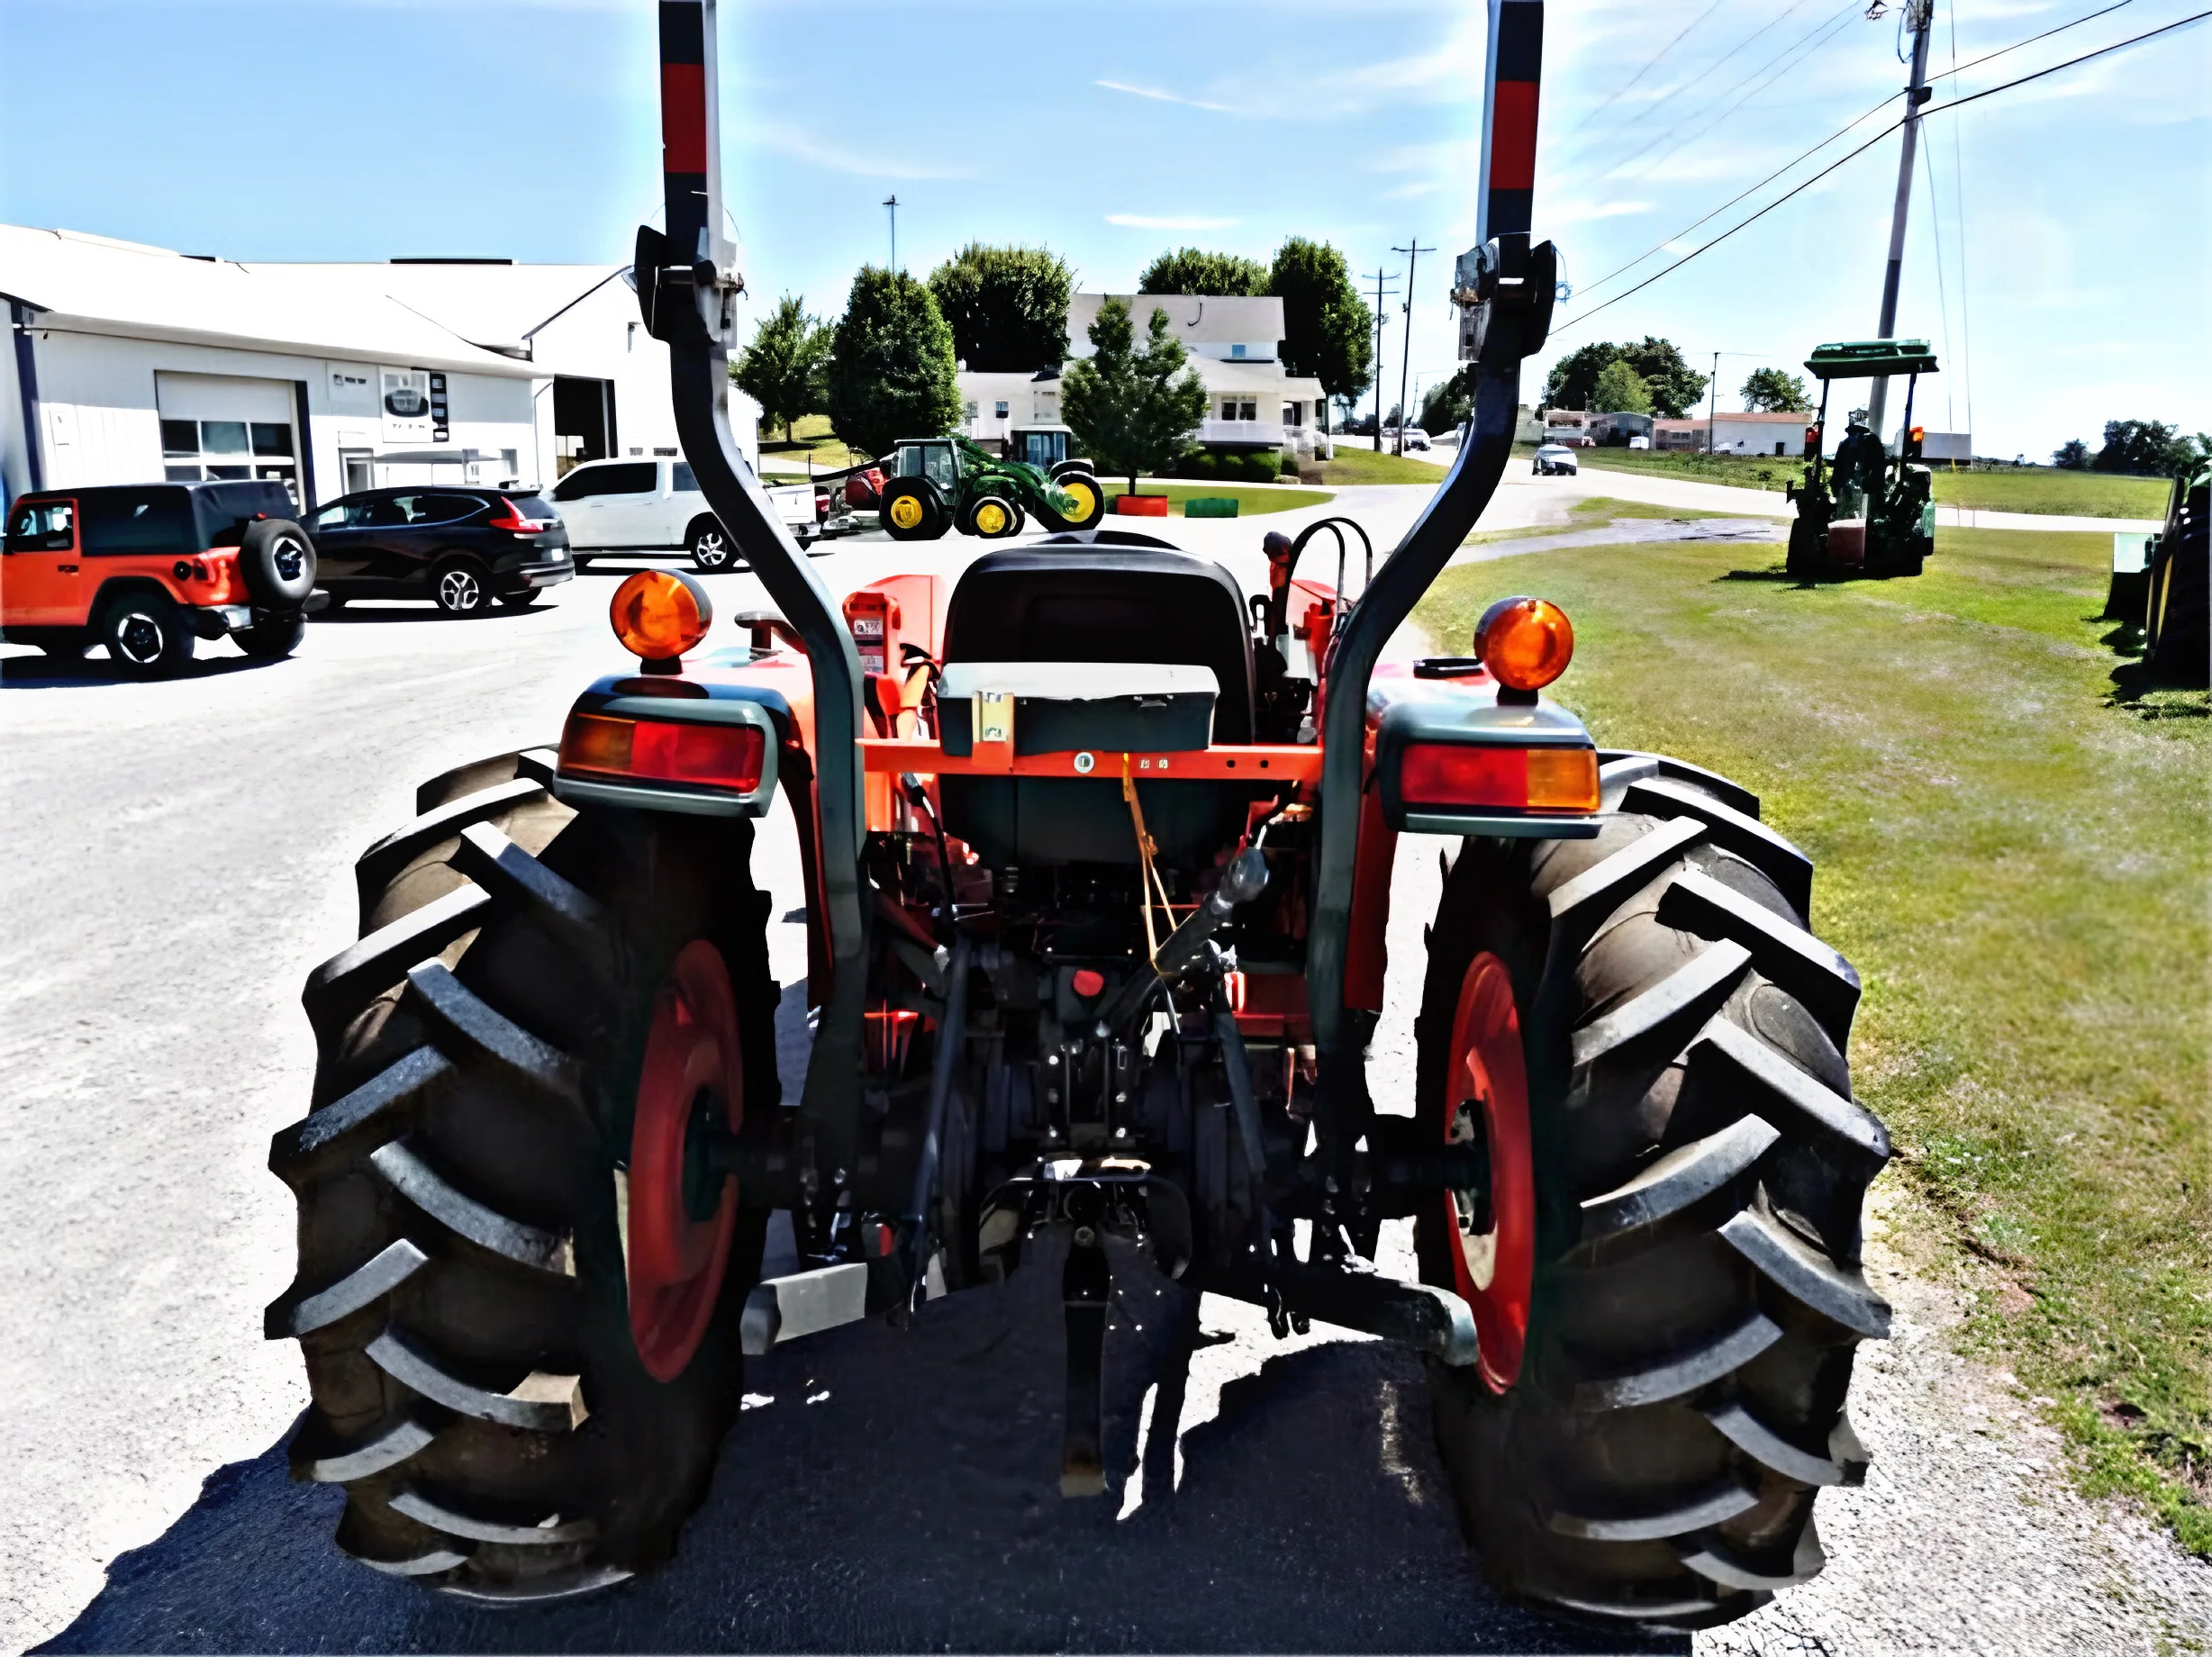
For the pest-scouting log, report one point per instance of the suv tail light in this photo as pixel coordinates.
(509, 517)
(821, 505)
(1449, 776)
(730, 756)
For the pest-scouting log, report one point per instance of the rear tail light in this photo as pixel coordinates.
(729, 756)
(509, 518)
(822, 504)
(1450, 776)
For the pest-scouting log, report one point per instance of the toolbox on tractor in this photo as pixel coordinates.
(1098, 854)
(1868, 512)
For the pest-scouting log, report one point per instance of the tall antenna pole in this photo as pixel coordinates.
(1413, 257)
(892, 203)
(1379, 280)
(1712, 404)
(1920, 15)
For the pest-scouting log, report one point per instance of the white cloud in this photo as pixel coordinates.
(1162, 96)
(816, 151)
(1147, 221)
(1582, 212)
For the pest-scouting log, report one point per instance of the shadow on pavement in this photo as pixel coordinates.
(39, 673)
(900, 1492)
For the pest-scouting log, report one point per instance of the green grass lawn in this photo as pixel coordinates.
(809, 440)
(2023, 489)
(1252, 499)
(2046, 489)
(2013, 850)
(1364, 465)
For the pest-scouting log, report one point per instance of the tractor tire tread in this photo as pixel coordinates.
(408, 1175)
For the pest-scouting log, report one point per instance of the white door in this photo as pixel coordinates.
(628, 507)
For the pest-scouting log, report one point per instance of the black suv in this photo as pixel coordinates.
(459, 548)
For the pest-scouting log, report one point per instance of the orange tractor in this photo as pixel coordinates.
(1098, 852)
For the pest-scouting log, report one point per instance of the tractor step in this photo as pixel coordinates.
(784, 1308)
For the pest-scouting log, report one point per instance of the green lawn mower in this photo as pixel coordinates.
(1867, 512)
(947, 482)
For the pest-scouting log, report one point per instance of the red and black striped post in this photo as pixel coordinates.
(1513, 74)
(687, 156)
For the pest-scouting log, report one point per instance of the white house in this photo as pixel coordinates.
(1740, 433)
(1252, 403)
(129, 363)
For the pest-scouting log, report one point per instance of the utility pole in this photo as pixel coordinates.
(892, 203)
(1712, 404)
(1379, 291)
(1920, 15)
(1413, 254)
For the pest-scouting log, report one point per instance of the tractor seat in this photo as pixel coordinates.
(1104, 602)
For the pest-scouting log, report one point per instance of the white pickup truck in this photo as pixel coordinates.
(643, 506)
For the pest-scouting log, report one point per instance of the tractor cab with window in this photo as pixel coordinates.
(1867, 511)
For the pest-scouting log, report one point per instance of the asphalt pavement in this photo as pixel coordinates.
(180, 857)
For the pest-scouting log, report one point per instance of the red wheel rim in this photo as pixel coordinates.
(693, 1063)
(1487, 1074)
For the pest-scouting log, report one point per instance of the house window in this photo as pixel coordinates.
(1236, 350)
(998, 409)
(1229, 409)
(194, 449)
(969, 412)
(1293, 413)
(1250, 411)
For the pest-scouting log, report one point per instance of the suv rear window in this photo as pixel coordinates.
(119, 522)
(629, 478)
(42, 526)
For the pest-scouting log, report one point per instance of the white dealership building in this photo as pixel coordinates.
(128, 364)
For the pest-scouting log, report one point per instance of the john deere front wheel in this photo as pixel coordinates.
(1082, 504)
(910, 511)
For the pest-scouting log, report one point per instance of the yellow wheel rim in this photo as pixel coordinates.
(1084, 497)
(906, 511)
(991, 518)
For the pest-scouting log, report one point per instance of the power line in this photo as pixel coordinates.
(1957, 68)
(1937, 109)
(1833, 28)
(1682, 86)
(1649, 66)
(1829, 24)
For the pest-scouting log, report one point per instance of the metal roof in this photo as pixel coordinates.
(1868, 360)
(93, 285)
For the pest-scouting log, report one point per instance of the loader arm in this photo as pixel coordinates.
(1507, 286)
(687, 289)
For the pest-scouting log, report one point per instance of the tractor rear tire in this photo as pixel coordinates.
(1647, 1445)
(911, 512)
(467, 1185)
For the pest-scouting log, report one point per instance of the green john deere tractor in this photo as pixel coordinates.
(1867, 512)
(947, 482)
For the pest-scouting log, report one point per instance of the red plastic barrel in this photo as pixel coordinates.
(1141, 505)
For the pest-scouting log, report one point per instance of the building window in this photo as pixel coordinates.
(968, 412)
(195, 449)
(1293, 413)
(999, 410)
(1236, 350)
(1250, 411)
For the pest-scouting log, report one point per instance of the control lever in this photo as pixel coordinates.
(1187, 947)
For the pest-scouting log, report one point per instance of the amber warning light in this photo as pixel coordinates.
(658, 615)
(1525, 643)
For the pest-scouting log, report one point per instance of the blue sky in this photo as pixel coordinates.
(362, 128)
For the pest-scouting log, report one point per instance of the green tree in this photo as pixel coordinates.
(1327, 327)
(890, 364)
(2148, 449)
(1446, 406)
(1191, 270)
(1133, 409)
(783, 368)
(1007, 306)
(1620, 389)
(1775, 391)
(2074, 456)
(1674, 386)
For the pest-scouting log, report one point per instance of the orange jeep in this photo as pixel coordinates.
(146, 568)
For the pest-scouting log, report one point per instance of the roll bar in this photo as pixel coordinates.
(688, 287)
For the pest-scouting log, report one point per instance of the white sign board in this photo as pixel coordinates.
(405, 397)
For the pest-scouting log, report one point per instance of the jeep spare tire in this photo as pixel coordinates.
(276, 561)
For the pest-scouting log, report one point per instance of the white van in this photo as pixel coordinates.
(640, 505)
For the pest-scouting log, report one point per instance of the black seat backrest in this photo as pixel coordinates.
(1108, 603)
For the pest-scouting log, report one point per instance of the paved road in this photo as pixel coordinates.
(179, 859)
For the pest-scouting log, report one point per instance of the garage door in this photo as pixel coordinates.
(218, 426)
